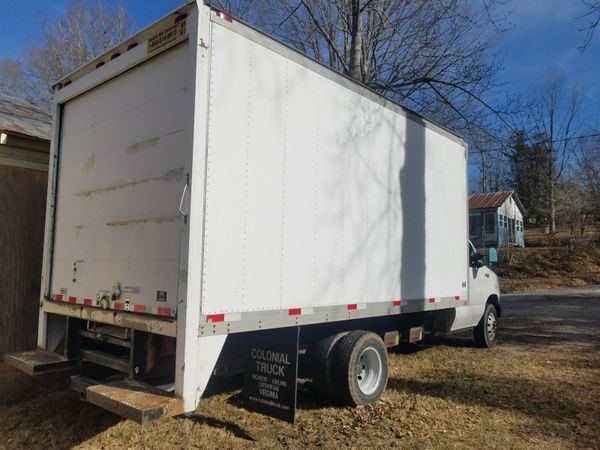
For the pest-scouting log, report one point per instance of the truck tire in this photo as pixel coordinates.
(320, 363)
(360, 368)
(486, 331)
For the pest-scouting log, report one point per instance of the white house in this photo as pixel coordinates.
(496, 219)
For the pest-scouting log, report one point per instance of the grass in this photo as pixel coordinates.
(440, 396)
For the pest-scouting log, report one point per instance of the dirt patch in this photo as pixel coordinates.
(543, 268)
(540, 388)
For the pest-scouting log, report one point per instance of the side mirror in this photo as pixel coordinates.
(492, 256)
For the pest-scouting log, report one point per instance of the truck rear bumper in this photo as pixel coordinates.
(150, 324)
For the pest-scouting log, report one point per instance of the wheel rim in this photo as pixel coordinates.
(491, 326)
(369, 371)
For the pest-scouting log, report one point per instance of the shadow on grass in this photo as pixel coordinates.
(235, 429)
(554, 406)
(52, 420)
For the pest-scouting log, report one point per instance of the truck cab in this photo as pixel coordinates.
(483, 308)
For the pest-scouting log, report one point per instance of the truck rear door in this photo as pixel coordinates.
(122, 171)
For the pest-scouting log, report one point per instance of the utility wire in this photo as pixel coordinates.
(286, 19)
(497, 149)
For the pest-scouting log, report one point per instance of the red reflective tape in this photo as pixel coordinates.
(161, 311)
(432, 300)
(352, 307)
(58, 297)
(88, 301)
(119, 305)
(139, 308)
(295, 311)
(397, 302)
(215, 318)
(457, 297)
(72, 299)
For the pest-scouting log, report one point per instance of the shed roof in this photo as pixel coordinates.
(20, 116)
(490, 200)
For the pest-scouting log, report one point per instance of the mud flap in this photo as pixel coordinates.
(271, 373)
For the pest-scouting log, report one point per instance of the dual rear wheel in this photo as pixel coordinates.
(351, 368)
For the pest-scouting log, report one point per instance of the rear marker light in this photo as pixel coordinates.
(352, 307)
(163, 311)
(88, 301)
(295, 311)
(72, 299)
(397, 302)
(432, 300)
(224, 16)
(58, 297)
(457, 297)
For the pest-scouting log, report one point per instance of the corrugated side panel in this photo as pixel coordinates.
(318, 196)
(121, 176)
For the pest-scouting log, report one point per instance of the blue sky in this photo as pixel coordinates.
(542, 37)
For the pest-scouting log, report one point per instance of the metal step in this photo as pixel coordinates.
(38, 362)
(134, 400)
(119, 363)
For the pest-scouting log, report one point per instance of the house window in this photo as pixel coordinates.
(490, 223)
(475, 225)
(501, 221)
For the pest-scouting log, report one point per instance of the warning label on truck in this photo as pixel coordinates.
(271, 373)
(166, 36)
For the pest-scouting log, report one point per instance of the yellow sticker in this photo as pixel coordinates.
(166, 36)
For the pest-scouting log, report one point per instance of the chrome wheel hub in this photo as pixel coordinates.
(369, 371)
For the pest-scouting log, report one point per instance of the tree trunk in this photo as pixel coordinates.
(552, 207)
(552, 188)
(355, 42)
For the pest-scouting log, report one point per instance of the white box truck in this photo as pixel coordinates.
(220, 203)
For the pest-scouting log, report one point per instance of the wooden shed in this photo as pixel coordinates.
(496, 219)
(24, 152)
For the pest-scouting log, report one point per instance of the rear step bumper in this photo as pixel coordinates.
(38, 362)
(131, 399)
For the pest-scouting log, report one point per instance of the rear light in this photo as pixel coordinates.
(223, 15)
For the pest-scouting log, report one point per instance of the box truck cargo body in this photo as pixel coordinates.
(209, 184)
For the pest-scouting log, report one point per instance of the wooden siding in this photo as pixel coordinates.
(22, 209)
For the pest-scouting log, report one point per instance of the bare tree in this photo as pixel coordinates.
(13, 80)
(247, 10)
(434, 56)
(592, 17)
(572, 206)
(556, 118)
(86, 30)
(588, 168)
